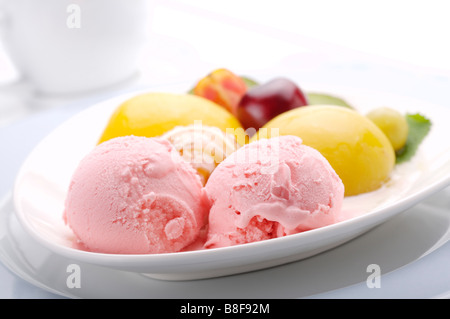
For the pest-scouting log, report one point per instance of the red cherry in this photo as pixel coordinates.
(262, 103)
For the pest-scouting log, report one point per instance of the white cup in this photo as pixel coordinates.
(72, 46)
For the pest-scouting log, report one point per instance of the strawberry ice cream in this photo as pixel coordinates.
(271, 188)
(135, 195)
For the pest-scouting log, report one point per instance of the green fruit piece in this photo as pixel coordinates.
(326, 99)
(392, 123)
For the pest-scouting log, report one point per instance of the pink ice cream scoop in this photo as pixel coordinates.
(135, 195)
(271, 188)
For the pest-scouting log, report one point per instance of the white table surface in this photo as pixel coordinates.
(393, 46)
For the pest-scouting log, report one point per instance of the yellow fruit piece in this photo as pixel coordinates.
(153, 114)
(356, 148)
(392, 123)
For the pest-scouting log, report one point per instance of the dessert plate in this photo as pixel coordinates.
(43, 179)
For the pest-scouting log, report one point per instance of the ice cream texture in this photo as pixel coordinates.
(271, 188)
(135, 195)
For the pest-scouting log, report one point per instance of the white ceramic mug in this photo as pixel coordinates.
(69, 46)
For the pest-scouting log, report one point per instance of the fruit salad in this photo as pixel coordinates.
(362, 148)
(232, 161)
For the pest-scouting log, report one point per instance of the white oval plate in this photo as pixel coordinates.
(43, 179)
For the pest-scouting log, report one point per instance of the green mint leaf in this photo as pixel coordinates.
(419, 126)
(249, 82)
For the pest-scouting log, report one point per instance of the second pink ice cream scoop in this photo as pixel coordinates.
(271, 188)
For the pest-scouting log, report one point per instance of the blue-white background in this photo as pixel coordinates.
(394, 46)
